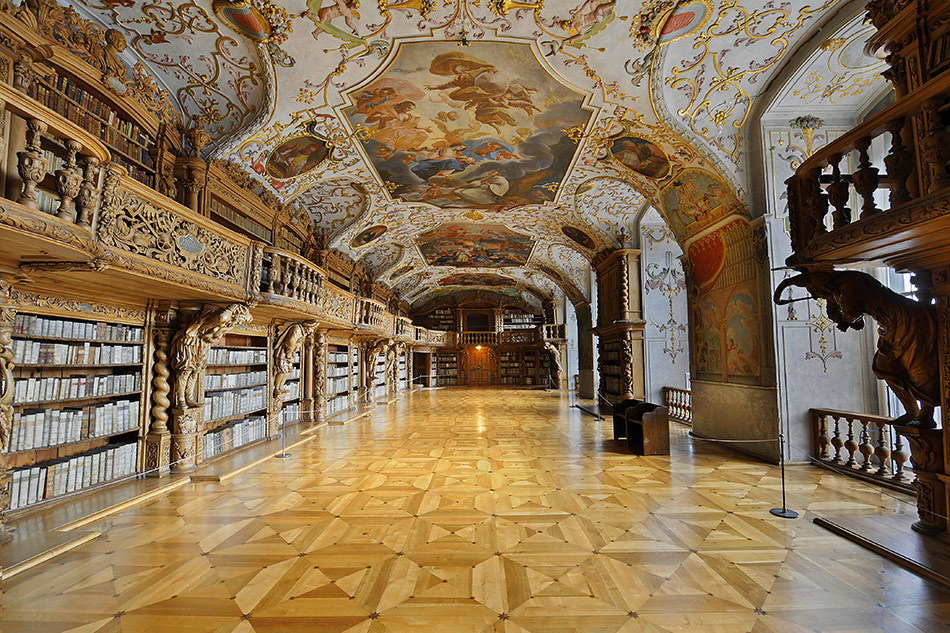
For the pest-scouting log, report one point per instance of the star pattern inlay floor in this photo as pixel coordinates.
(483, 511)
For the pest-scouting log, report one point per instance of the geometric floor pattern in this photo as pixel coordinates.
(483, 511)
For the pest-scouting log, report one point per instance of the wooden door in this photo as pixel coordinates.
(480, 367)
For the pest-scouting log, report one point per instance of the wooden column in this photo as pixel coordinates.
(158, 439)
(307, 401)
(7, 315)
(620, 324)
(320, 375)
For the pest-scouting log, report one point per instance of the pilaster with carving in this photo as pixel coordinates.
(158, 438)
(7, 314)
(189, 359)
(320, 375)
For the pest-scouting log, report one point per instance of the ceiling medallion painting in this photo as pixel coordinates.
(366, 236)
(474, 245)
(579, 236)
(642, 156)
(483, 128)
(296, 156)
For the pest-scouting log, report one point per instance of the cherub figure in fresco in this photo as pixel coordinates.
(585, 18)
(481, 87)
(323, 12)
(493, 150)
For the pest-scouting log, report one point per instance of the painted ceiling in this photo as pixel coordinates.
(482, 138)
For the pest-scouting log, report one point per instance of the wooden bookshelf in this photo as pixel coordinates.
(611, 367)
(447, 369)
(515, 319)
(128, 142)
(340, 383)
(235, 394)
(441, 319)
(379, 376)
(77, 405)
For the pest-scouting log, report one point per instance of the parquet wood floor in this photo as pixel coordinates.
(483, 511)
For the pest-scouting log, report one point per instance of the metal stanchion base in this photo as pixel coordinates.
(282, 455)
(785, 513)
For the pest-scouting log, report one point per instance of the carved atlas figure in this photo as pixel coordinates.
(906, 357)
(191, 345)
(285, 350)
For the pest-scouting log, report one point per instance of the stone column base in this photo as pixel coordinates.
(185, 449)
(273, 423)
(158, 447)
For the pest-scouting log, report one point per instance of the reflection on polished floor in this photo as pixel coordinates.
(482, 510)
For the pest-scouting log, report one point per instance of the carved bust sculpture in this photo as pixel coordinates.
(189, 353)
(906, 357)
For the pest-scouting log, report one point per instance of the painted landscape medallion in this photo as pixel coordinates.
(481, 128)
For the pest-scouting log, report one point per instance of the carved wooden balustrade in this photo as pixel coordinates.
(554, 332)
(404, 329)
(420, 334)
(823, 224)
(371, 314)
(680, 403)
(477, 338)
(438, 337)
(291, 276)
(861, 445)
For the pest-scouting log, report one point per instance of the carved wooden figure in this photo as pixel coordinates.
(906, 357)
(190, 349)
(285, 350)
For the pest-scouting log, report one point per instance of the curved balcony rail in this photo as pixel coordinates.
(291, 276)
(404, 328)
(820, 194)
(513, 337)
(862, 445)
(371, 314)
(477, 338)
(554, 332)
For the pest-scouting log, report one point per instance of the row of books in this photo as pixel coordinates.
(226, 356)
(51, 427)
(338, 384)
(53, 389)
(224, 404)
(334, 371)
(293, 390)
(27, 325)
(290, 413)
(448, 371)
(509, 380)
(448, 381)
(65, 96)
(234, 435)
(29, 352)
(338, 357)
(337, 404)
(379, 391)
(230, 381)
(134, 170)
(32, 485)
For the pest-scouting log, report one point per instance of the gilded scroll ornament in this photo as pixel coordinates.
(190, 346)
(906, 357)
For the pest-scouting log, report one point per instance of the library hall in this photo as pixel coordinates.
(474, 316)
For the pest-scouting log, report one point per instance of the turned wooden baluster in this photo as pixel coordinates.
(866, 448)
(898, 458)
(292, 279)
(68, 181)
(277, 273)
(883, 450)
(823, 439)
(32, 163)
(865, 178)
(850, 445)
(838, 191)
(271, 274)
(899, 162)
(816, 203)
(88, 198)
(836, 440)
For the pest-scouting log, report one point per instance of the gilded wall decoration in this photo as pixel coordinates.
(33, 301)
(137, 227)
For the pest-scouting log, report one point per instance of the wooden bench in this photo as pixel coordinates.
(648, 429)
(620, 417)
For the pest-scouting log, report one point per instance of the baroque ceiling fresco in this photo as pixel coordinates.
(491, 146)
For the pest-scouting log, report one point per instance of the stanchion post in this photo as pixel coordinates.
(283, 433)
(783, 512)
